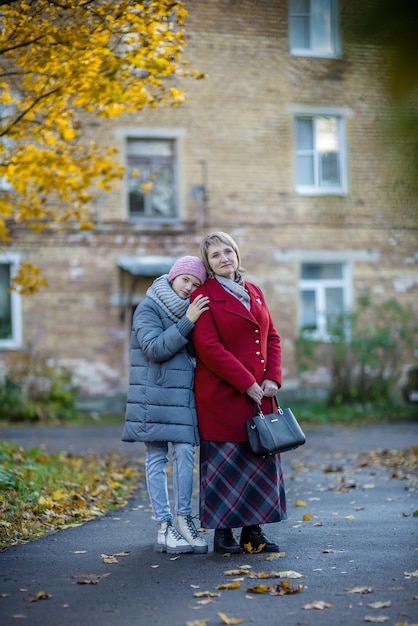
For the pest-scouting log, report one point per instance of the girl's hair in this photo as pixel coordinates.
(217, 238)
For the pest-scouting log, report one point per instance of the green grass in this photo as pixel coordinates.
(41, 493)
(352, 414)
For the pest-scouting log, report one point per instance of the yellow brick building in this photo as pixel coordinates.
(282, 145)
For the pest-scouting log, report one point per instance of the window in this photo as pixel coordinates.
(320, 154)
(314, 28)
(152, 178)
(10, 305)
(324, 297)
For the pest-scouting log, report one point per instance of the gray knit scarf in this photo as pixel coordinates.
(236, 288)
(164, 295)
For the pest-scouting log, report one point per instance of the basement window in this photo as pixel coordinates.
(10, 305)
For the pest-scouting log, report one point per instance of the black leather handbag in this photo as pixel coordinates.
(274, 433)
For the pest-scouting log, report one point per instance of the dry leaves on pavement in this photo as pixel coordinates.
(41, 493)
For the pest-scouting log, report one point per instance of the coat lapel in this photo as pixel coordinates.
(231, 304)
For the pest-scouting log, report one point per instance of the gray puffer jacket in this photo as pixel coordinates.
(160, 402)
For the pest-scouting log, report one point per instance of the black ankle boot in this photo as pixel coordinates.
(254, 540)
(224, 541)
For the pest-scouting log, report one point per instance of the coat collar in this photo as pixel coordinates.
(232, 304)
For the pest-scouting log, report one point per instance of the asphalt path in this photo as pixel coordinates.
(356, 551)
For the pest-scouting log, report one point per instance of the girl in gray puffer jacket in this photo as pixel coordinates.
(160, 404)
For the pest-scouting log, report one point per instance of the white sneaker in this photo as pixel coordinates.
(187, 529)
(169, 540)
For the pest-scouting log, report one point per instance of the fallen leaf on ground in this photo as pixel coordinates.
(230, 620)
(380, 605)
(199, 622)
(275, 555)
(259, 575)
(109, 559)
(317, 604)
(112, 558)
(377, 620)
(89, 579)
(285, 588)
(249, 547)
(202, 602)
(41, 595)
(411, 574)
(300, 503)
(360, 590)
(85, 581)
(229, 586)
(206, 594)
(284, 574)
(260, 589)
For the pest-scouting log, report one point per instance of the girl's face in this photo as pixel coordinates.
(185, 284)
(222, 260)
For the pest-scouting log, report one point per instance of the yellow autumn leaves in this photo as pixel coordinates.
(42, 493)
(60, 64)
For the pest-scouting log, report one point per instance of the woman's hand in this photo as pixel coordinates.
(197, 307)
(269, 388)
(255, 392)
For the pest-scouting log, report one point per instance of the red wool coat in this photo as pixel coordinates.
(235, 348)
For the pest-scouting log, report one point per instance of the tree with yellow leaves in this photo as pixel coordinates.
(63, 60)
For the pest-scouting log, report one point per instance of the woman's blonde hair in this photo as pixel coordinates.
(217, 238)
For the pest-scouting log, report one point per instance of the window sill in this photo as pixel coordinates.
(315, 54)
(9, 345)
(320, 192)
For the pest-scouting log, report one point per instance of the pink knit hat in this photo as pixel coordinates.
(190, 265)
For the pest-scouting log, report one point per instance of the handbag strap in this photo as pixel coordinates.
(259, 410)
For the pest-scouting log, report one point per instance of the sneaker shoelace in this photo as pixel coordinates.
(190, 525)
(174, 531)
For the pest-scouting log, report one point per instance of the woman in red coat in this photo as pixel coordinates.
(238, 365)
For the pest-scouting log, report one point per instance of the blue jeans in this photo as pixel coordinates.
(156, 460)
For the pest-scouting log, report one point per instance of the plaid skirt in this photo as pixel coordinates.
(237, 489)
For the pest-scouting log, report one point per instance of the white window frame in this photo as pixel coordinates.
(335, 37)
(15, 341)
(318, 189)
(173, 135)
(319, 286)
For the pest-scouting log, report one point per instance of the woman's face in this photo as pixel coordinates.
(222, 260)
(185, 284)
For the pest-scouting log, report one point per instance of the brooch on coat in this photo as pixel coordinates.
(258, 300)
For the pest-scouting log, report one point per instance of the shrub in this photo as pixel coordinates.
(35, 389)
(366, 353)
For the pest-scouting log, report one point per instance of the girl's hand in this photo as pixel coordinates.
(197, 307)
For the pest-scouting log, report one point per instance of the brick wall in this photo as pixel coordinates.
(238, 141)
